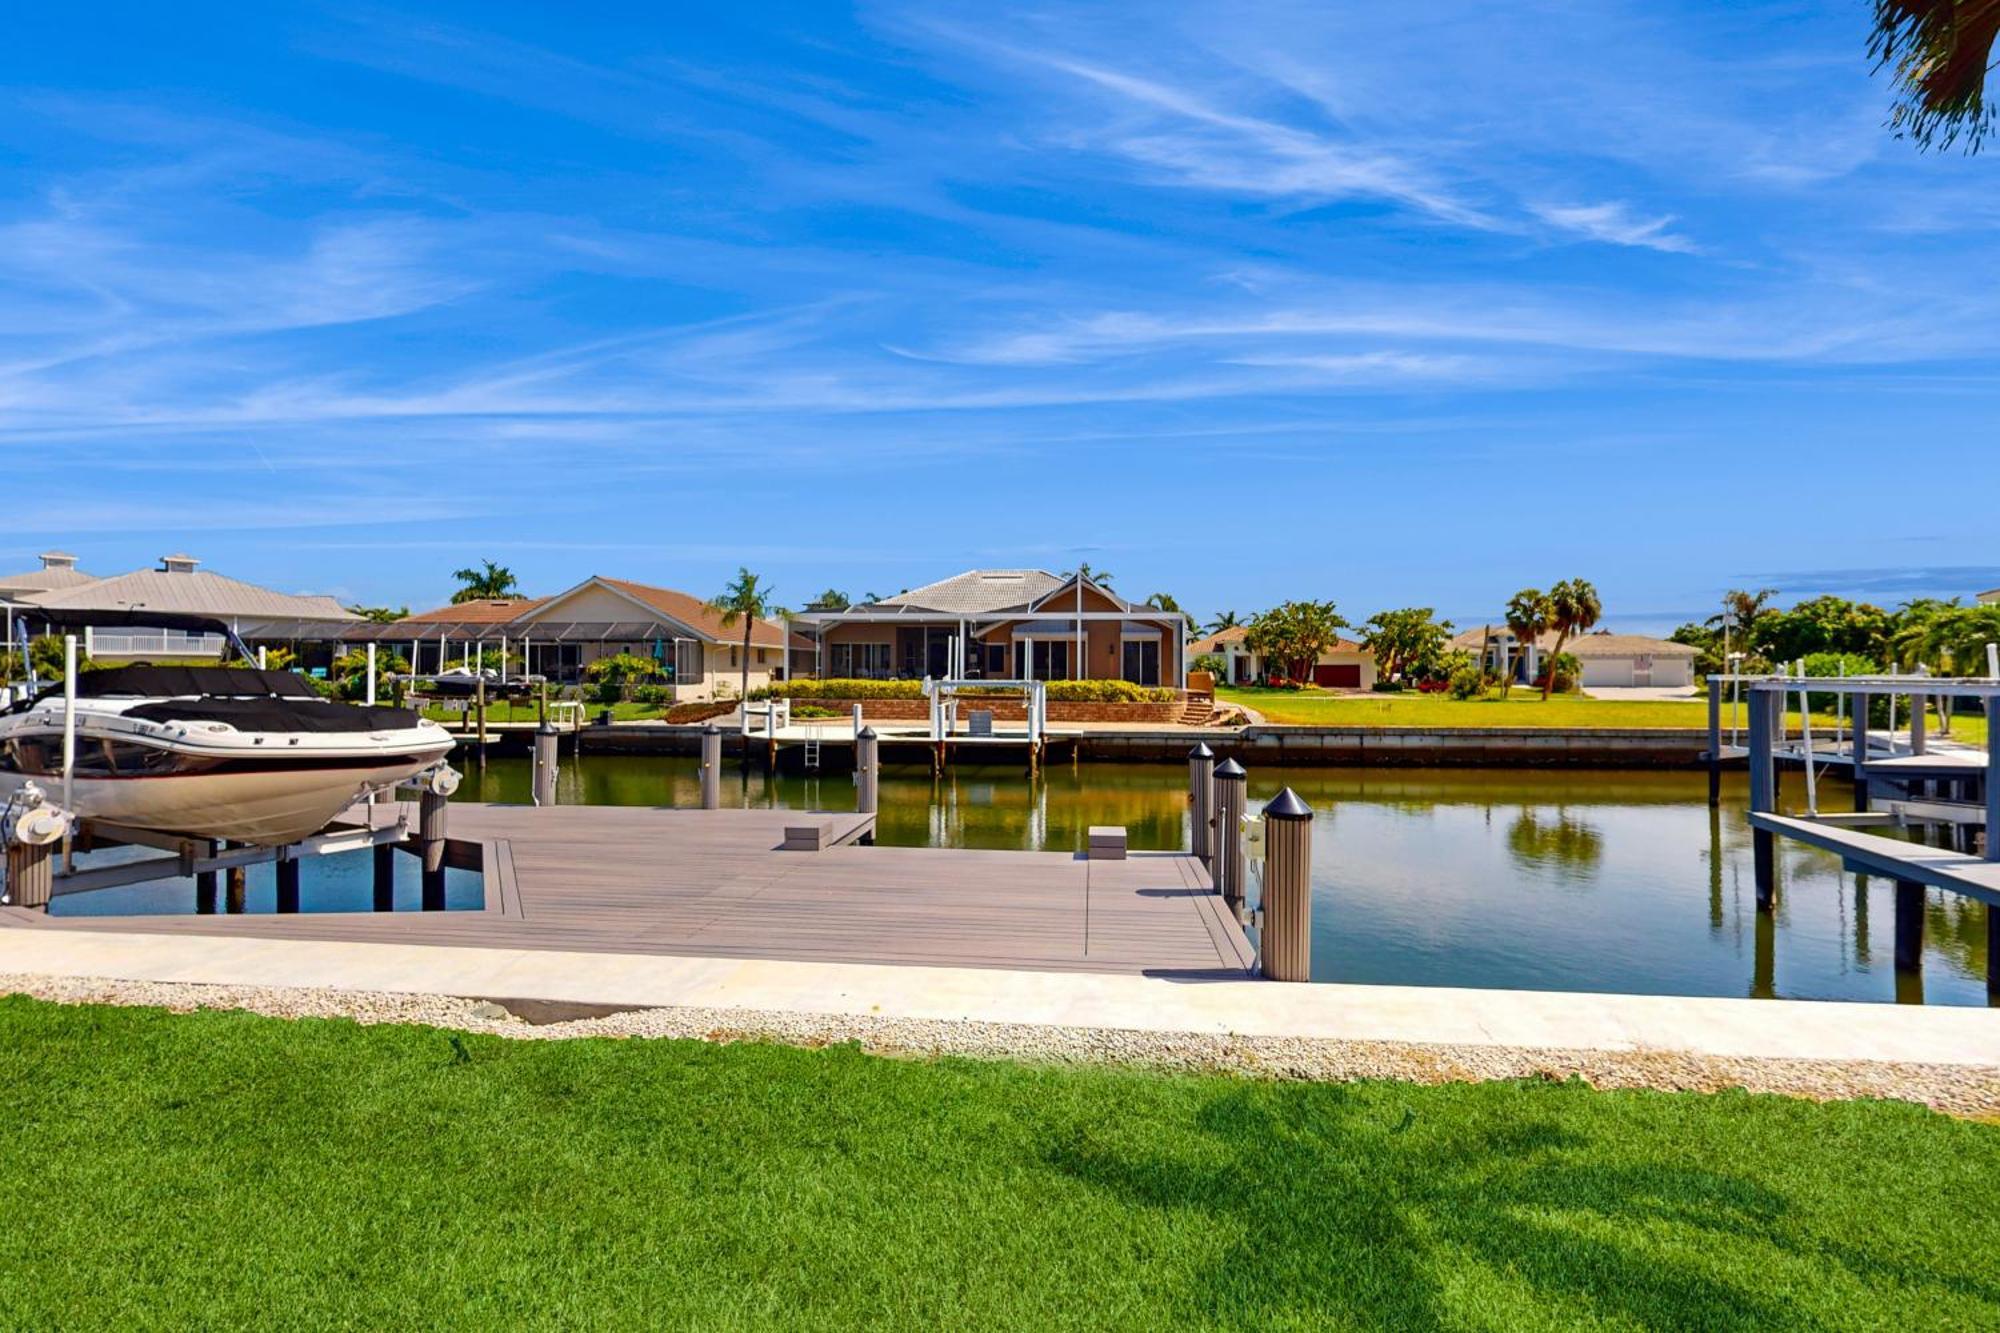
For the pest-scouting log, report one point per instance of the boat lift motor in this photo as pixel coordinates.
(30, 820)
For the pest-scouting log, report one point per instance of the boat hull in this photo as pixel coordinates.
(267, 808)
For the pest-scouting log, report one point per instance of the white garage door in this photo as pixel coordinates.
(1606, 671)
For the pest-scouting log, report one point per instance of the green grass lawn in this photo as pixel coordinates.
(221, 1169)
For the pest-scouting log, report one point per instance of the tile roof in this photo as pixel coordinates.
(694, 613)
(979, 592)
(976, 592)
(1602, 643)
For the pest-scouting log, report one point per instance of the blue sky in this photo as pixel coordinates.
(1241, 302)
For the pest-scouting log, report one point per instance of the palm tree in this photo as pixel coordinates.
(1224, 620)
(1528, 614)
(1161, 601)
(1941, 51)
(490, 582)
(1745, 606)
(746, 600)
(1573, 609)
(1101, 577)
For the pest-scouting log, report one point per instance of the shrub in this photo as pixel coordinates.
(652, 694)
(1468, 682)
(622, 669)
(1568, 671)
(840, 688)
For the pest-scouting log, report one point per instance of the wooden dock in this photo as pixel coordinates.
(618, 879)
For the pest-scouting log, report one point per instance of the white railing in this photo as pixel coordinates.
(174, 643)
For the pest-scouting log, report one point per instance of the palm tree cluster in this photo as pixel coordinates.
(1941, 636)
(1569, 608)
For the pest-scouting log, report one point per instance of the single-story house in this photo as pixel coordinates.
(1606, 659)
(559, 636)
(1991, 597)
(1002, 624)
(1344, 666)
(179, 587)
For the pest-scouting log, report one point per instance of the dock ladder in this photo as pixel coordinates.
(812, 748)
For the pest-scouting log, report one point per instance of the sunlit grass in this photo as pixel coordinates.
(222, 1170)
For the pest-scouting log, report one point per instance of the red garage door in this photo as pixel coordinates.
(1338, 676)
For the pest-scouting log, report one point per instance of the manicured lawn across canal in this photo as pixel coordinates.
(221, 1169)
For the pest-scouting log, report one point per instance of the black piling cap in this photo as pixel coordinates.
(1201, 751)
(867, 734)
(1229, 768)
(1287, 805)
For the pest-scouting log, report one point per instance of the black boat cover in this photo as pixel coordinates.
(276, 714)
(170, 682)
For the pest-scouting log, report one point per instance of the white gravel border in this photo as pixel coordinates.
(1957, 1089)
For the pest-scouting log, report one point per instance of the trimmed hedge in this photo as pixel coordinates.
(1059, 691)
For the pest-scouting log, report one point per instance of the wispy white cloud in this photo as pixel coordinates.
(1615, 223)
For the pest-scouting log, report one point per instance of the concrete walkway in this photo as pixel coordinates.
(1729, 1028)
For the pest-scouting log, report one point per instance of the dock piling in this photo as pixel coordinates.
(1285, 943)
(431, 810)
(711, 767)
(34, 831)
(479, 706)
(385, 877)
(1715, 740)
(1226, 869)
(867, 771)
(206, 885)
(545, 765)
(288, 881)
(1763, 791)
(1993, 951)
(31, 873)
(1201, 800)
(1860, 752)
(1909, 925)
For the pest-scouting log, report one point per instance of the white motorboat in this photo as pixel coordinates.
(213, 752)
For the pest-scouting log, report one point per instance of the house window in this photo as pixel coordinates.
(859, 661)
(1046, 659)
(1141, 661)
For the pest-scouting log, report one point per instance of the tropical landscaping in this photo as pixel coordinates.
(399, 1176)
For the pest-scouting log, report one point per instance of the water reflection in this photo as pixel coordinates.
(1544, 879)
(1539, 838)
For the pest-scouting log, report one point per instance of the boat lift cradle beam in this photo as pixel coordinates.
(189, 860)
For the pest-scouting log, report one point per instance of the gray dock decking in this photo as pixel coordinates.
(618, 879)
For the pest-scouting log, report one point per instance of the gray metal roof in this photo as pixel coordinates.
(49, 578)
(190, 593)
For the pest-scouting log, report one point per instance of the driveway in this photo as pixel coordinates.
(1642, 693)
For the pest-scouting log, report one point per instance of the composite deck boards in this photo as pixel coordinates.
(619, 879)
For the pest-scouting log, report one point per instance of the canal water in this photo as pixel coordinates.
(1532, 879)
